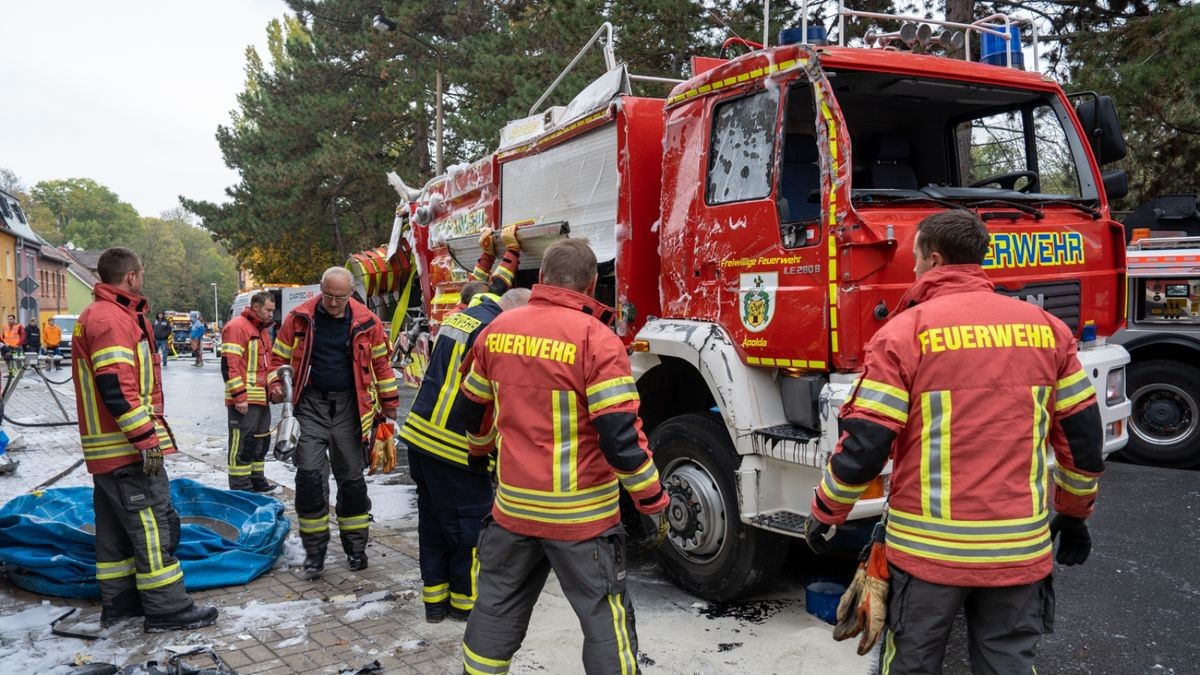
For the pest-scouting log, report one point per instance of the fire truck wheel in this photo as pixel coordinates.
(709, 551)
(1164, 427)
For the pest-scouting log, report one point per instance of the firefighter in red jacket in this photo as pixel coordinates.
(558, 383)
(968, 390)
(118, 393)
(339, 353)
(245, 349)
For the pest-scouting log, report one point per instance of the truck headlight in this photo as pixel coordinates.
(1114, 386)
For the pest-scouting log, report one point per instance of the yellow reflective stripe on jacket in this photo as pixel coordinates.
(883, 398)
(645, 476)
(282, 350)
(449, 391)
(233, 348)
(387, 385)
(145, 366)
(481, 665)
(252, 365)
(479, 386)
(134, 419)
(379, 351)
(234, 383)
(87, 388)
(587, 505)
(359, 522)
(935, 453)
(1041, 431)
(840, 492)
(564, 451)
(1075, 483)
(1072, 389)
(420, 433)
(256, 395)
(983, 552)
(611, 392)
(112, 355)
(114, 570)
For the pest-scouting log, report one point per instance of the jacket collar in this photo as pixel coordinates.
(565, 297)
(249, 315)
(134, 304)
(946, 280)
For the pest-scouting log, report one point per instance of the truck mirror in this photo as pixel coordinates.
(1116, 183)
(1098, 115)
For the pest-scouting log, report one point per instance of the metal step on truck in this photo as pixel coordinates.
(1163, 332)
(754, 229)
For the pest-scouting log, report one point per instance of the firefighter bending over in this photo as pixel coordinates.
(557, 381)
(452, 499)
(339, 353)
(968, 390)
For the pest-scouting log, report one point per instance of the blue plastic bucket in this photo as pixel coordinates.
(821, 597)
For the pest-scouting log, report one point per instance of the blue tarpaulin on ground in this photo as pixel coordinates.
(227, 538)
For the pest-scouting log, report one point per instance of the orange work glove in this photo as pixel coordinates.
(485, 240)
(383, 450)
(863, 608)
(508, 237)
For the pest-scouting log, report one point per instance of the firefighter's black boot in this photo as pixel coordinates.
(356, 561)
(314, 565)
(194, 616)
(126, 605)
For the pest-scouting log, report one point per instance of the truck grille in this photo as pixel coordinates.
(1060, 298)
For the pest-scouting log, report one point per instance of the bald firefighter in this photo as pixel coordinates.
(556, 379)
(968, 391)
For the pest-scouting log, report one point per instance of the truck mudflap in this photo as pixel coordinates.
(1099, 362)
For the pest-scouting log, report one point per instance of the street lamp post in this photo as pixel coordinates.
(216, 314)
(386, 25)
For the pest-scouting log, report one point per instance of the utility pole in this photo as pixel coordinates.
(216, 314)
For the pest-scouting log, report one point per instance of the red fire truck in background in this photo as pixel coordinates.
(754, 229)
(1163, 334)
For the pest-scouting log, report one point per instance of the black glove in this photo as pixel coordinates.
(814, 534)
(152, 461)
(479, 463)
(1075, 543)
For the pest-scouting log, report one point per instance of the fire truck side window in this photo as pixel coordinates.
(1028, 140)
(799, 192)
(742, 148)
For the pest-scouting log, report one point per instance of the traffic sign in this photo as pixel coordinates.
(28, 285)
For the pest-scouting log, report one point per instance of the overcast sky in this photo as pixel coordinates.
(126, 92)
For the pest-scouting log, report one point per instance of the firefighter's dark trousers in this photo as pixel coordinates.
(330, 435)
(1004, 625)
(137, 532)
(512, 570)
(248, 441)
(451, 503)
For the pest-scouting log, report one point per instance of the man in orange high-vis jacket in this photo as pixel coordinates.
(52, 340)
(557, 380)
(339, 353)
(245, 349)
(118, 393)
(968, 391)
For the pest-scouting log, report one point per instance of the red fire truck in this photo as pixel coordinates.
(754, 229)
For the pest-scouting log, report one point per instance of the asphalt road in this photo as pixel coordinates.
(1134, 607)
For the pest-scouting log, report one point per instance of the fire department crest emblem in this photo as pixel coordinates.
(757, 295)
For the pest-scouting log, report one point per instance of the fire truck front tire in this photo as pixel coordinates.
(709, 551)
(1164, 424)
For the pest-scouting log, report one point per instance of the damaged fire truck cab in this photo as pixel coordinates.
(754, 230)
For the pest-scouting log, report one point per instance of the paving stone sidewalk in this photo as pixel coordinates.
(278, 623)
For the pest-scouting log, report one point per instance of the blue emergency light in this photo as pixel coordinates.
(817, 35)
(993, 50)
(1089, 333)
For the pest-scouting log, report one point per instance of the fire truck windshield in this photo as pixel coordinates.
(925, 138)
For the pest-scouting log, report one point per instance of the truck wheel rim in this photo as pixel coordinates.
(1163, 414)
(697, 511)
